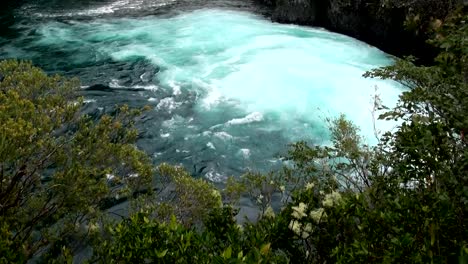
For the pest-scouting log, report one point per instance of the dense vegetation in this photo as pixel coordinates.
(402, 201)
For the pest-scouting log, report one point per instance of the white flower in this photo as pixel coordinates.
(272, 182)
(331, 199)
(295, 226)
(259, 199)
(299, 211)
(269, 212)
(309, 185)
(93, 227)
(318, 214)
(282, 188)
(307, 229)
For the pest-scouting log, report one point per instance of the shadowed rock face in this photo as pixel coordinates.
(370, 22)
(377, 22)
(295, 11)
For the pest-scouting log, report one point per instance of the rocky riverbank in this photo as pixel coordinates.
(396, 26)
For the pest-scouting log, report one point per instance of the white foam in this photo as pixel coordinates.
(207, 133)
(213, 97)
(145, 77)
(158, 154)
(210, 145)
(111, 8)
(165, 135)
(245, 152)
(223, 135)
(168, 104)
(214, 176)
(114, 83)
(151, 87)
(173, 122)
(175, 88)
(250, 118)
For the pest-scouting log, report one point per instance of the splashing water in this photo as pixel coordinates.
(229, 89)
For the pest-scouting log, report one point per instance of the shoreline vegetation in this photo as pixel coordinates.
(404, 200)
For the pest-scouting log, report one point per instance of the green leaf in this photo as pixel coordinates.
(227, 253)
(265, 249)
(161, 254)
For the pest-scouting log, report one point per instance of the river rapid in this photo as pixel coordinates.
(227, 88)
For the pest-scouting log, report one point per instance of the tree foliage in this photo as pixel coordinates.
(58, 167)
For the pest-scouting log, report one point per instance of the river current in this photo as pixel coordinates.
(228, 89)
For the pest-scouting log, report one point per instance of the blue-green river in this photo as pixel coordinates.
(228, 89)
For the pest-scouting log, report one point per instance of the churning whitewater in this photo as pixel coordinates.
(229, 90)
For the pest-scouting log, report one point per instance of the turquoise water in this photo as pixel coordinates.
(229, 89)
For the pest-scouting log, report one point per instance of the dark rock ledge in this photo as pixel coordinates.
(399, 27)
